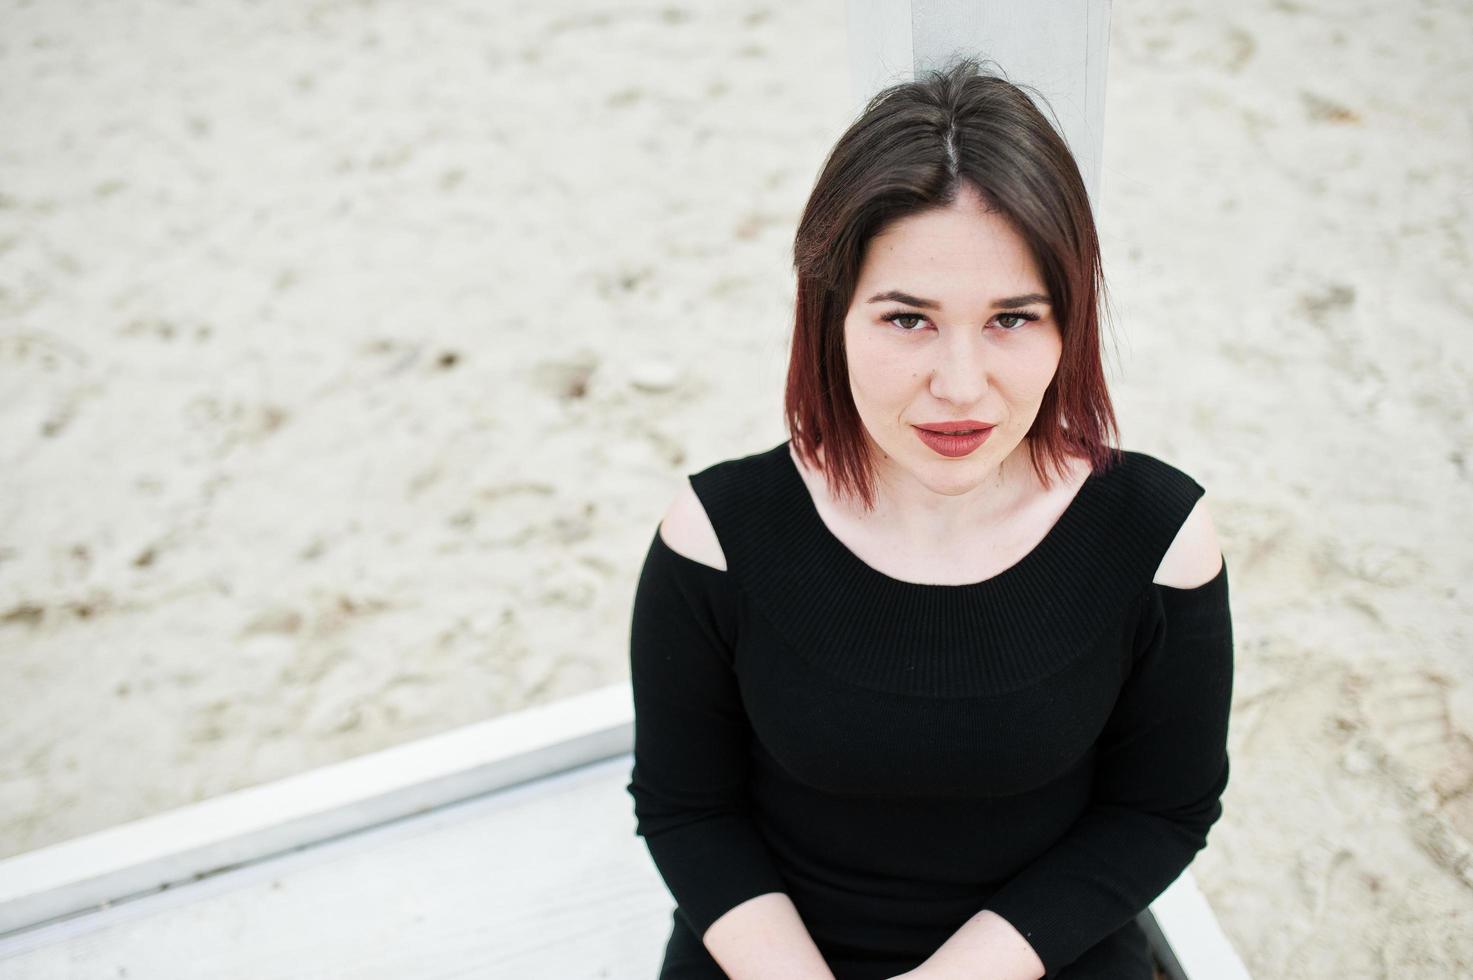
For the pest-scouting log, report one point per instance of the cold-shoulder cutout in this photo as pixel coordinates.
(686, 530)
(1195, 556)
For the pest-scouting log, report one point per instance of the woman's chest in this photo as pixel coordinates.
(849, 736)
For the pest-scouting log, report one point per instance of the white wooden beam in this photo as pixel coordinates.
(880, 48)
(1059, 47)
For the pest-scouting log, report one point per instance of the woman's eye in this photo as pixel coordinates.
(1022, 318)
(895, 318)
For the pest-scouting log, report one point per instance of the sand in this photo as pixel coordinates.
(350, 353)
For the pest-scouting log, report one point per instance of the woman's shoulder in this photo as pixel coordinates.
(703, 507)
(755, 466)
(1143, 469)
(686, 529)
(1171, 504)
(1147, 485)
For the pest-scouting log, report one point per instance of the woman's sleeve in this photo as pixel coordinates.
(689, 780)
(1161, 769)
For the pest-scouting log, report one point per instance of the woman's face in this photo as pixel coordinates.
(972, 337)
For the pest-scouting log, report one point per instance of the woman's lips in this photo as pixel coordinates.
(952, 446)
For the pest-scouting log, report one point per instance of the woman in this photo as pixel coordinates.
(911, 703)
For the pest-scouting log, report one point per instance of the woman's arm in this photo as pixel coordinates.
(764, 938)
(691, 744)
(1160, 771)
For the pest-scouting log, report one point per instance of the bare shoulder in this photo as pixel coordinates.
(687, 530)
(1195, 556)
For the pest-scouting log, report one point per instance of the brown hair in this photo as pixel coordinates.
(909, 151)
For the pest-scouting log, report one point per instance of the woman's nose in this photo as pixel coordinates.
(959, 375)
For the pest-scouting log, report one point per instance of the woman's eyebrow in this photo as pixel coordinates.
(931, 304)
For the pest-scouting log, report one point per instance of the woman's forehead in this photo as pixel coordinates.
(950, 256)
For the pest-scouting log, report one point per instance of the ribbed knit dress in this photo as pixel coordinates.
(1049, 743)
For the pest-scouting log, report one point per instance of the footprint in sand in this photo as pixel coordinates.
(1409, 732)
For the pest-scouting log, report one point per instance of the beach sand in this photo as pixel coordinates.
(350, 353)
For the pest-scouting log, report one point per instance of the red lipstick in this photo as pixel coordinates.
(944, 439)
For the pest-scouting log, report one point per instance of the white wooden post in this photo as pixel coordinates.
(1057, 46)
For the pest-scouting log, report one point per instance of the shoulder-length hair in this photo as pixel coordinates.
(909, 151)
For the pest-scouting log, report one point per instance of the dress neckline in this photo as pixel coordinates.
(1088, 573)
(840, 553)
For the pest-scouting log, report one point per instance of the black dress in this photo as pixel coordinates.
(1049, 743)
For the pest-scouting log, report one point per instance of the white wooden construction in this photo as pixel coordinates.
(503, 849)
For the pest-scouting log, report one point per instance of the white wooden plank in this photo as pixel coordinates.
(542, 880)
(248, 825)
